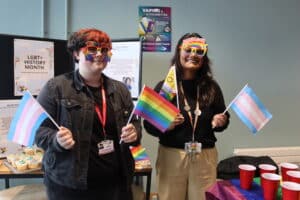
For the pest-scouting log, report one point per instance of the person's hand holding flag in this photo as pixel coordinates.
(179, 119)
(64, 138)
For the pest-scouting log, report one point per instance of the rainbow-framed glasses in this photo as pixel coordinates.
(92, 48)
(194, 45)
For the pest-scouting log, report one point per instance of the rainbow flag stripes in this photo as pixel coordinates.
(155, 109)
(139, 153)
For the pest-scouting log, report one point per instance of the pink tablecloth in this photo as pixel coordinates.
(230, 190)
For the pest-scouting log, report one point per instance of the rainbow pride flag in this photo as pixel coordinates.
(169, 87)
(26, 121)
(139, 153)
(155, 109)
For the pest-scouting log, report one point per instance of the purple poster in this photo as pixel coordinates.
(155, 28)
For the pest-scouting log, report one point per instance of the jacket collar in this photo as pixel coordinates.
(80, 85)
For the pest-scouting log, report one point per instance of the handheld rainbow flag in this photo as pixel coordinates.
(250, 109)
(155, 109)
(169, 87)
(26, 121)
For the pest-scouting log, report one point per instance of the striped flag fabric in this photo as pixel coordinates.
(169, 87)
(139, 153)
(26, 121)
(250, 110)
(155, 109)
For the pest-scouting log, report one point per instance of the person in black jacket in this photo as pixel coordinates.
(88, 157)
(187, 156)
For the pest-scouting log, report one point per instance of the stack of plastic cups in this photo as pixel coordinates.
(284, 167)
(266, 168)
(290, 181)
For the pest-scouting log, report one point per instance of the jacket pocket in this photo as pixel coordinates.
(50, 160)
(69, 110)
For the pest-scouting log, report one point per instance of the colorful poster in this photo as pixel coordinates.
(33, 65)
(155, 28)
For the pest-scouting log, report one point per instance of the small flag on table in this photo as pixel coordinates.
(139, 153)
(250, 109)
(155, 109)
(26, 121)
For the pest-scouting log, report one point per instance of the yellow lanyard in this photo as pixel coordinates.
(187, 108)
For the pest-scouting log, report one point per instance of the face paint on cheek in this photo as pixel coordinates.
(107, 57)
(89, 57)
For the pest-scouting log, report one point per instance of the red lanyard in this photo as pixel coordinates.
(102, 115)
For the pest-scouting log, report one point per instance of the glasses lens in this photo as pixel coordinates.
(197, 51)
(200, 52)
(92, 49)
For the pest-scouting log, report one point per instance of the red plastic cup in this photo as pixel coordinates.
(290, 190)
(247, 173)
(284, 167)
(293, 176)
(266, 168)
(270, 185)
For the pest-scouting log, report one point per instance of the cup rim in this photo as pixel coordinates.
(247, 167)
(293, 173)
(290, 185)
(289, 165)
(271, 176)
(267, 167)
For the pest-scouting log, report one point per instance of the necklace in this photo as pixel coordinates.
(187, 108)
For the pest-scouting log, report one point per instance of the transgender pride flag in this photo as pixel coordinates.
(27, 119)
(250, 109)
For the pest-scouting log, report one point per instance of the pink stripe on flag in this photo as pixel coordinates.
(32, 122)
(29, 118)
(155, 123)
(22, 118)
(250, 109)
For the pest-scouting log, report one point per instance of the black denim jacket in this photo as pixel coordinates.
(70, 103)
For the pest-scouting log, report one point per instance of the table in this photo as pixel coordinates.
(231, 190)
(6, 174)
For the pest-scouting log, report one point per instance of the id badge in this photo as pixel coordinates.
(192, 147)
(105, 147)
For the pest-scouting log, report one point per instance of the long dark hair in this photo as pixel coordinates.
(205, 70)
(204, 74)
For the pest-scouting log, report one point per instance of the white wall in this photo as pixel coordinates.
(250, 41)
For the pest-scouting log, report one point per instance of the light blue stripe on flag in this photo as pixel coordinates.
(250, 110)
(13, 125)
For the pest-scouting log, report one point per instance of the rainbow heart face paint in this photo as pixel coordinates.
(194, 45)
(93, 50)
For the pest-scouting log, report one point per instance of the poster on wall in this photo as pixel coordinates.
(155, 28)
(33, 65)
(125, 64)
(7, 111)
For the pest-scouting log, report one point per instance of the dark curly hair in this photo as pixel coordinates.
(78, 39)
(205, 70)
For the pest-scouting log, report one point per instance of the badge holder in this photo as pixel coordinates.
(105, 147)
(192, 148)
